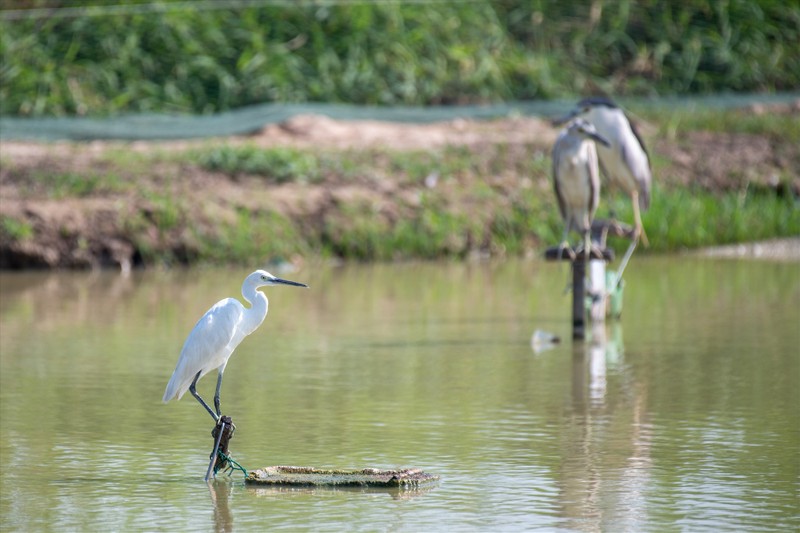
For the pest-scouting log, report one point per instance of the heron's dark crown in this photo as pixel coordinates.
(597, 101)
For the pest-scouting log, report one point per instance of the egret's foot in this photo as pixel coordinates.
(227, 420)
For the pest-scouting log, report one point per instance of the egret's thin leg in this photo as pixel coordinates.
(199, 399)
(216, 394)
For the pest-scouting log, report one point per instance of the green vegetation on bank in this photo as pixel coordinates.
(181, 59)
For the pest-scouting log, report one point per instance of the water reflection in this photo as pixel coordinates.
(602, 491)
(399, 494)
(691, 422)
(220, 491)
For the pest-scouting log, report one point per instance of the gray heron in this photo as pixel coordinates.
(576, 179)
(624, 160)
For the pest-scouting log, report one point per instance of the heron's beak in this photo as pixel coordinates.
(566, 118)
(280, 281)
(600, 139)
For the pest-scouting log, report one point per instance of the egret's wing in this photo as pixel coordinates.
(206, 347)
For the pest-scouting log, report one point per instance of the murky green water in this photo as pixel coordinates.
(687, 418)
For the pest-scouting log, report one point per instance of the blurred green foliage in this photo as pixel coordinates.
(279, 164)
(95, 61)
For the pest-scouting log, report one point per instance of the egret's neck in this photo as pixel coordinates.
(259, 305)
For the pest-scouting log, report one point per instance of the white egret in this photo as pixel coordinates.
(217, 334)
(624, 160)
(576, 179)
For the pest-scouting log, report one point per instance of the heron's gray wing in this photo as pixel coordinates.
(562, 207)
(206, 346)
(638, 136)
(593, 171)
(640, 169)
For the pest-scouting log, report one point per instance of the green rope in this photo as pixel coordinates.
(232, 465)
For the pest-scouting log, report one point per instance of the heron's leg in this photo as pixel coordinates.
(624, 262)
(587, 249)
(193, 390)
(637, 216)
(564, 245)
(219, 386)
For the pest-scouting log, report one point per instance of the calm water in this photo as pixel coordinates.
(687, 417)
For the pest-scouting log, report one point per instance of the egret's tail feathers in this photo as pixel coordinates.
(172, 391)
(168, 394)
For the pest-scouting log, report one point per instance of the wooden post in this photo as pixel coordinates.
(579, 299)
(597, 290)
(221, 434)
(578, 283)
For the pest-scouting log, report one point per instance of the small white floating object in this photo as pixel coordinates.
(543, 340)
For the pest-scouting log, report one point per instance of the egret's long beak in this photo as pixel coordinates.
(599, 139)
(287, 282)
(566, 118)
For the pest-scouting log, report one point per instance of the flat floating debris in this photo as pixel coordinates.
(368, 477)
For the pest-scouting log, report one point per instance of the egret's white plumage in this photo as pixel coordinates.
(625, 161)
(217, 334)
(576, 177)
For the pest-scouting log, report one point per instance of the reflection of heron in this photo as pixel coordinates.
(624, 160)
(215, 336)
(576, 179)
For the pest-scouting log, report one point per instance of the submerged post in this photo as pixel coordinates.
(222, 433)
(579, 289)
(578, 299)
(597, 291)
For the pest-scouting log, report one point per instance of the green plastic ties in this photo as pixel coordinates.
(232, 464)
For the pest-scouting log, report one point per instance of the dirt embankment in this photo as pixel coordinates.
(44, 230)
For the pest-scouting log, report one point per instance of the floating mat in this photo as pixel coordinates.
(368, 477)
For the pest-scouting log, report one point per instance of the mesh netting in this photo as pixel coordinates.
(253, 118)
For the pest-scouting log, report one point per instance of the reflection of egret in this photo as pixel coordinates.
(576, 178)
(215, 336)
(624, 160)
(220, 493)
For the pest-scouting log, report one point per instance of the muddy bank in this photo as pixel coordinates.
(148, 201)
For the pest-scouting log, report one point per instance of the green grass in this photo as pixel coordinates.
(674, 122)
(15, 230)
(391, 53)
(72, 184)
(277, 164)
(252, 236)
(687, 218)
